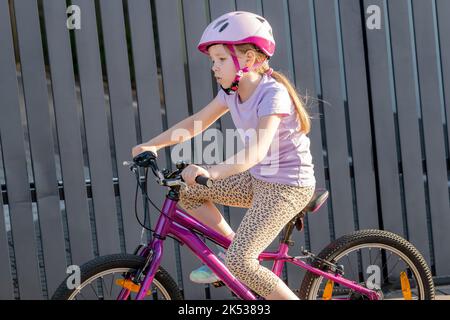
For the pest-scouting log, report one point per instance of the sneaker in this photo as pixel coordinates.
(204, 274)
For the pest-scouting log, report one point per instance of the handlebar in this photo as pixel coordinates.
(207, 182)
(148, 159)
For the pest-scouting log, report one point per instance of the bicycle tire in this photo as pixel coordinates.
(370, 236)
(114, 261)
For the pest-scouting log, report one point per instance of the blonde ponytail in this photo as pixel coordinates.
(302, 114)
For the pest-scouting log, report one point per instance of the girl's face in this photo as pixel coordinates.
(222, 64)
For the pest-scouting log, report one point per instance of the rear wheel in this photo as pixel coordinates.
(104, 277)
(376, 259)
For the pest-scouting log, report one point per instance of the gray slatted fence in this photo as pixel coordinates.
(74, 103)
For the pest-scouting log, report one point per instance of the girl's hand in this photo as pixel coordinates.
(143, 147)
(191, 172)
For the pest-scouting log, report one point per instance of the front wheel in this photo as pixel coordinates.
(103, 278)
(376, 259)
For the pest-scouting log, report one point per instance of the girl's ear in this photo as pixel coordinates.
(250, 58)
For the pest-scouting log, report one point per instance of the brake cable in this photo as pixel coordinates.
(144, 193)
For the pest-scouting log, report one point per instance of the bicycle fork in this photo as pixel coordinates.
(153, 259)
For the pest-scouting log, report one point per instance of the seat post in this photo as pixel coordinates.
(288, 232)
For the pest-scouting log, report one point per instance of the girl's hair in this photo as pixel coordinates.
(302, 114)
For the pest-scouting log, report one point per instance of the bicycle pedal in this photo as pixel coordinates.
(218, 284)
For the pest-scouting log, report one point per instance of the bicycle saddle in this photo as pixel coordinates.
(318, 199)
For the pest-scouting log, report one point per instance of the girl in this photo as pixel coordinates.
(275, 184)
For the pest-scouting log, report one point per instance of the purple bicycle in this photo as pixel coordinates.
(364, 265)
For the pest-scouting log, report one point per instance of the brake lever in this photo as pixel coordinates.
(127, 163)
(131, 164)
(161, 179)
(175, 182)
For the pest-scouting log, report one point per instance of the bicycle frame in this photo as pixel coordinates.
(184, 227)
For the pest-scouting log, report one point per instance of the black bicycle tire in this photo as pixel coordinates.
(371, 236)
(103, 263)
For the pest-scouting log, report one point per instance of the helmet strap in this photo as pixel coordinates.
(240, 71)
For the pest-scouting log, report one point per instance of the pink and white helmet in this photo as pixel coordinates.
(236, 28)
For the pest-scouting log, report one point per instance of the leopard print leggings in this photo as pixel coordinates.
(271, 207)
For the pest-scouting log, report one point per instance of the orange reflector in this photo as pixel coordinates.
(328, 291)
(130, 285)
(406, 287)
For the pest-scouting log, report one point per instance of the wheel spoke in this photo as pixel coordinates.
(376, 258)
(102, 282)
(392, 269)
(385, 265)
(351, 269)
(112, 283)
(104, 287)
(390, 265)
(90, 284)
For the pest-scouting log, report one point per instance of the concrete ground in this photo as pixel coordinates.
(443, 293)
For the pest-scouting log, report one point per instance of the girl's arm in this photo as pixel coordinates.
(252, 153)
(205, 117)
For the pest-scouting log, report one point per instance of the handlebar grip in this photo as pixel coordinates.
(204, 181)
(145, 159)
